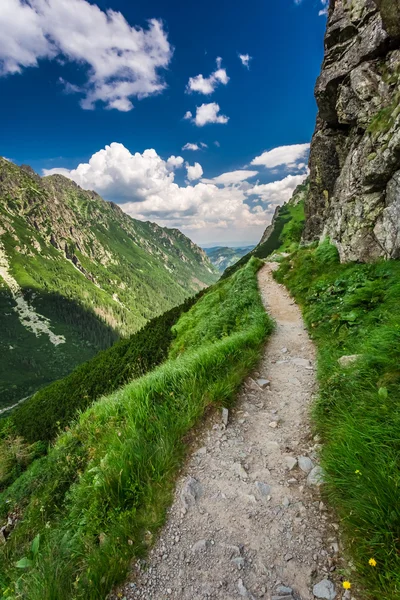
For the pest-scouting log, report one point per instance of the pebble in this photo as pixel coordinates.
(316, 476)
(305, 463)
(324, 590)
(291, 462)
(263, 383)
(263, 488)
(273, 424)
(225, 416)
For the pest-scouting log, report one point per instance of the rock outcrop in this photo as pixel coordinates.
(354, 196)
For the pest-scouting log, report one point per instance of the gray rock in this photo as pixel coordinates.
(225, 416)
(291, 462)
(301, 362)
(200, 546)
(324, 590)
(240, 470)
(191, 492)
(316, 476)
(305, 463)
(263, 383)
(350, 359)
(238, 561)
(284, 589)
(285, 597)
(263, 488)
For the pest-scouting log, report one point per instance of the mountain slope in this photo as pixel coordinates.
(223, 257)
(283, 233)
(76, 273)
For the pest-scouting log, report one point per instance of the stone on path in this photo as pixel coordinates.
(302, 362)
(291, 462)
(324, 590)
(263, 488)
(263, 383)
(191, 492)
(305, 463)
(316, 476)
(225, 416)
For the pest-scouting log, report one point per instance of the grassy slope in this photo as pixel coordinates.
(100, 494)
(355, 309)
(135, 271)
(285, 236)
(53, 407)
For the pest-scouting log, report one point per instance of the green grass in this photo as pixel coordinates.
(355, 309)
(53, 407)
(286, 233)
(98, 498)
(132, 272)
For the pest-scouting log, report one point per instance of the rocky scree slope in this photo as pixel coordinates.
(355, 153)
(76, 273)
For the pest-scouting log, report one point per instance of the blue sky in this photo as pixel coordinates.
(101, 97)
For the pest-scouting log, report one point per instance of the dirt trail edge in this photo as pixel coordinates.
(247, 520)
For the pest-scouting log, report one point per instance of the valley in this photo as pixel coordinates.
(77, 274)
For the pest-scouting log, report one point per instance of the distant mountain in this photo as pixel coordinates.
(76, 273)
(223, 257)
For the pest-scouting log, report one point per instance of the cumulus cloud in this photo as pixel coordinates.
(190, 146)
(287, 156)
(206, 113)
(231, 177)
(207, 85)
(245, 60)
(194, 171)
(122, 62)
(144, 186)
(276, 192)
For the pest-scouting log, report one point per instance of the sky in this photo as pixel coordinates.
(196, 116)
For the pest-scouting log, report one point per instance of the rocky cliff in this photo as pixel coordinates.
(354, 193)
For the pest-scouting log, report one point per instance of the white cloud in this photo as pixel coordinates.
(232, 177)
(194, 172)
(144, 186)
(207, 113)
(122, 62)
(324, 10)
(245, 60)
(190, 146)
(203, 145)
(175, 162)
(276, 192)
(283, 155)
(217, 144)
(207, 85)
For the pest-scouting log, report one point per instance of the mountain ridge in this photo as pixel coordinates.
(77, 269)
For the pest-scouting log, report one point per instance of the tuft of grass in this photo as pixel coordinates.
(99, 496)
(355, 309)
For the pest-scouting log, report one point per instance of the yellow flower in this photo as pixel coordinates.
(372, 562)
(358, 472)
(346, 585)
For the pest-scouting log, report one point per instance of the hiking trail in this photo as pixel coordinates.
(247, 520)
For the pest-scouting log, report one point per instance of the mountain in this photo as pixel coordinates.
(355, 152)
(76, 273)
(223, 257)
(284, 232)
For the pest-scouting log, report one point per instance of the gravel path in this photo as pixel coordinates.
(247, 520)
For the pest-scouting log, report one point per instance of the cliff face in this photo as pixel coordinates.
(354, 193)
